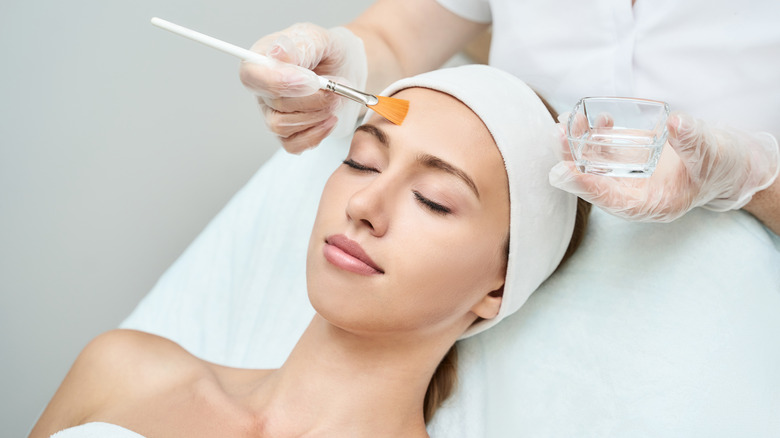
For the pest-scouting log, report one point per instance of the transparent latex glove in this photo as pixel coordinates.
(290, 98)
(701, 166)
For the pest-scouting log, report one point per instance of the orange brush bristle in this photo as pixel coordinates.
(394, 110)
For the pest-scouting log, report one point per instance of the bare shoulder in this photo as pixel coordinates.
(116, 366)
(126, 357)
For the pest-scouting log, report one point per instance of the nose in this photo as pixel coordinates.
(367, 208)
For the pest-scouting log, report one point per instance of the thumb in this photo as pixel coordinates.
(685, 137)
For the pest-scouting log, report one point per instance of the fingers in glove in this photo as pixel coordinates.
(565, 149)
(596, 189)
(638, 199)
(279, 80)
(308, 138)
(580, 127)
(691, 144)
(286, 124)
(605, 120)
(575, 128)
(321, 100)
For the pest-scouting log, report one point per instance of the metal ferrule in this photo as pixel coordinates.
(351, 93)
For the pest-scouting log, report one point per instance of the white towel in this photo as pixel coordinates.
(96, 430)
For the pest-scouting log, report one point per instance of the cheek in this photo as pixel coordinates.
(446, 270)
(333, 201)
(328, 211)
(331, 192)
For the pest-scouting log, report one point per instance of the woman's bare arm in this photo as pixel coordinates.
(113, 367)
(80, 391)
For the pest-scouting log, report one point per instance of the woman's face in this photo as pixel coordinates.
(410, 231)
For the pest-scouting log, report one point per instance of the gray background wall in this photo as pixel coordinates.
(118, 143)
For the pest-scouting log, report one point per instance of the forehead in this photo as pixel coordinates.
(436, 106)
(440, 125)
(437, 120)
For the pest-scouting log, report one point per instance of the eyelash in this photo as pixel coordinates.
(434, 207)
(359, 167)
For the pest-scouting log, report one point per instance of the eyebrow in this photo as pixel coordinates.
(433, 162)
(376, 132)
(427, 160)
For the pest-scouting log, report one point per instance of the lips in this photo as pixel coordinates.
(347, 254)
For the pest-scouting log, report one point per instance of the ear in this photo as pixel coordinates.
(487, 307)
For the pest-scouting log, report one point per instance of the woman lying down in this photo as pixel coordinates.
(429, 232)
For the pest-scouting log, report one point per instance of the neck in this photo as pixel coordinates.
(336, 383)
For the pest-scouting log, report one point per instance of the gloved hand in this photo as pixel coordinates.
(702, 165)
(293, 105)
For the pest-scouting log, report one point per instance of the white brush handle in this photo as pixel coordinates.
(248, 55)
(239, 52)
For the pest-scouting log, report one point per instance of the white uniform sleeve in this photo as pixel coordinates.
(474, 10)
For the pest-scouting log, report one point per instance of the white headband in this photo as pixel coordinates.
(541, 216)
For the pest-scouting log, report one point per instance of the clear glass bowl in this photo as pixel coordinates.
(617, 136)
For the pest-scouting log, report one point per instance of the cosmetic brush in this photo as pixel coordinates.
(390, 108)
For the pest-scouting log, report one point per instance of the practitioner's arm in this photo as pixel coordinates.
(390, 40)
(407, 37)
(765, 206)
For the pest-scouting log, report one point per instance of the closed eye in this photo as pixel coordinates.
(434, 207)
(359, 167)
